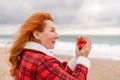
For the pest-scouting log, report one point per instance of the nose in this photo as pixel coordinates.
(56, 35)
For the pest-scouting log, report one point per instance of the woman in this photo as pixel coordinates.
(31, 59)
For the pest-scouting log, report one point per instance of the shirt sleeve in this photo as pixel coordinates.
(80, 60)
(51, 70)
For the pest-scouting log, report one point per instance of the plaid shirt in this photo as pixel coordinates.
(36, 65)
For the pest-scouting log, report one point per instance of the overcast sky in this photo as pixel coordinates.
(86, 13)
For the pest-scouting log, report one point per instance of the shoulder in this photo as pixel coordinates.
(31, 56)
(38, 57)
(32, 53)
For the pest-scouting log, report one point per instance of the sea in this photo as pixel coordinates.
(103, 46)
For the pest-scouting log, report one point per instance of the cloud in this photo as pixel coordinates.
(100, 12)
(86, 13)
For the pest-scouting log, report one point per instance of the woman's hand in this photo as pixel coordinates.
(83, 46)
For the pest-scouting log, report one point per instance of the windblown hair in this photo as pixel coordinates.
(33, 23)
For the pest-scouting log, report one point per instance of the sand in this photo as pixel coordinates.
(104, 70)
(101, 69)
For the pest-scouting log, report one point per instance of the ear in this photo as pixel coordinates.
(36, 35)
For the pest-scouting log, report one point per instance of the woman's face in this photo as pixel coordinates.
(49, 35)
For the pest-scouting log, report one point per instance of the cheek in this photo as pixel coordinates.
(46, 40)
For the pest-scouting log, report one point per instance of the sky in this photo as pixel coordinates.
(82, 16)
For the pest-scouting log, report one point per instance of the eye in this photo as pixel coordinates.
(52, 30)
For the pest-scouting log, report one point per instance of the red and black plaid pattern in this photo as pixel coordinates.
(36, 65)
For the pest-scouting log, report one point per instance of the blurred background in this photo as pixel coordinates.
(97, 19)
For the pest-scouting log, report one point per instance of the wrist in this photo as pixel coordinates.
(84, 61)
(81, 55)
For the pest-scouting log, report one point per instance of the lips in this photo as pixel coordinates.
(53, 42)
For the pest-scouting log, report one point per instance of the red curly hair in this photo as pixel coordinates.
(33, 23)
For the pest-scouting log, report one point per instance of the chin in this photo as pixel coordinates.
(51, 47)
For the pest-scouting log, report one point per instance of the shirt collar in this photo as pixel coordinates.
(39, 47)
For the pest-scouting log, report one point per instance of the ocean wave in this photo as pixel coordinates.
(106, 51)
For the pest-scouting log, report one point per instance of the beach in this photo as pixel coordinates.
(101, 69)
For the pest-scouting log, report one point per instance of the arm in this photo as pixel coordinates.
(52, 70)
